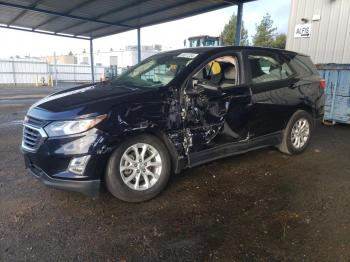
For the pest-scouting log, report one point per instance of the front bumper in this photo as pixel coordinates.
(86, 187)
(50, 162)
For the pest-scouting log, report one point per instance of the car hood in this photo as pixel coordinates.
(87, 100)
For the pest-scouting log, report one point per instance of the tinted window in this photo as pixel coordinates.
(157, 70)
(267, 69)
(304, 65)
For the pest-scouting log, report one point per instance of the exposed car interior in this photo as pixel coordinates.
(218, 74)
(206, 109)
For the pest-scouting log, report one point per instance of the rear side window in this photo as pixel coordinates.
(303, 65)
(267, 69)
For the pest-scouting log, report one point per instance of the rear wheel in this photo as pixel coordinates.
(139, 169)
(297, 135)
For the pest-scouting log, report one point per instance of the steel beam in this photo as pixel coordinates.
(239, 24)
(39, 10)
(95, 29)
(43, 33)
(139, 45)
(67, 12)
(115, 10)
(22, 13)
(181, 16)
(92, 61)
(141, 15)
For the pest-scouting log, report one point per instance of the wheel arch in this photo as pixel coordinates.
(302, 107)
(177, 162)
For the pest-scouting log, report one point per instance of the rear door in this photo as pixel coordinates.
(273, 96)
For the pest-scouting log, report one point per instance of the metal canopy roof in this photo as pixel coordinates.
(89, 19)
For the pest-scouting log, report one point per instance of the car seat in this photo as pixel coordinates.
(230, 75)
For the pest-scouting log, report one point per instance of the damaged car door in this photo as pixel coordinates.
(215, 107)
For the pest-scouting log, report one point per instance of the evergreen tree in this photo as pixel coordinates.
(280, 41)
(228, 35)
(265, 32)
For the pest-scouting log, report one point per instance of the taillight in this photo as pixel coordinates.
(323, 84)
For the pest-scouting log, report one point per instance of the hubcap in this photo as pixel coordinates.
(140, 166)
(300, 133)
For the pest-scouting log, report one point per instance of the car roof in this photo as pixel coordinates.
(203, 50)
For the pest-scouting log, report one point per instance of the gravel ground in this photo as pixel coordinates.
(260, 206)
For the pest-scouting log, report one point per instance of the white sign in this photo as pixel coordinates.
(188, 55)
(302, 31)
(316, 17)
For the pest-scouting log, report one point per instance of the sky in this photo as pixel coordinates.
(170, 35)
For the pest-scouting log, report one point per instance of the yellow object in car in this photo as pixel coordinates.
(215, 68)
(173, 68)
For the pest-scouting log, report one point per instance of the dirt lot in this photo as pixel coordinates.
(261, 206)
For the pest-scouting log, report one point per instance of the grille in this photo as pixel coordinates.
(33, 134)
(31, 138)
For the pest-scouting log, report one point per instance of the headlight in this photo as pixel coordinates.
(64, 128)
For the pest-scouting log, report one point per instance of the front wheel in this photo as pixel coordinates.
(297, 135)
(139, 169)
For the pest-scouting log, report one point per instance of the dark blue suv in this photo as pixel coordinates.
(175, 110)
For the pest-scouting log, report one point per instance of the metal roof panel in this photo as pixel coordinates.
(97, 18)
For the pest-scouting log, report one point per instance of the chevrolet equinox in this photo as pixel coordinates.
(174, 110)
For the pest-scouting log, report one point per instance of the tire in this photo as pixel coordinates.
(124, 165)
(287, 146)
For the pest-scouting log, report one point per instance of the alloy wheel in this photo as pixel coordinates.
(300, 133)
(140, 166)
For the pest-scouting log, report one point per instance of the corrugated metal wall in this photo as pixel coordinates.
(31, 72)
(330, 36)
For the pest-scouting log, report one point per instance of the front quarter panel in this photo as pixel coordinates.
(158, 113)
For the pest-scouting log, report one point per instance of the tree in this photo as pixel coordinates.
(265, 32)
(280, 41)
(228, 35)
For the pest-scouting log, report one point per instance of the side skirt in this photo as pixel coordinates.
(230, 149)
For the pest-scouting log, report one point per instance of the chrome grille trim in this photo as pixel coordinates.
(33, 137)
(36, 122)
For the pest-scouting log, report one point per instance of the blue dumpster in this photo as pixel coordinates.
(337, 106)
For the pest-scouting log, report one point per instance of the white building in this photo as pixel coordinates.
(120, 58)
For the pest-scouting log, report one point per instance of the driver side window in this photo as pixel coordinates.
(219, 73)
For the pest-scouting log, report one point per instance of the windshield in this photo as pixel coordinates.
(158, 70)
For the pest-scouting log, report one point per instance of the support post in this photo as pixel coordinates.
(138, 45)
(92, 61)
(239, 24)
(55, 62)
(14, 72)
